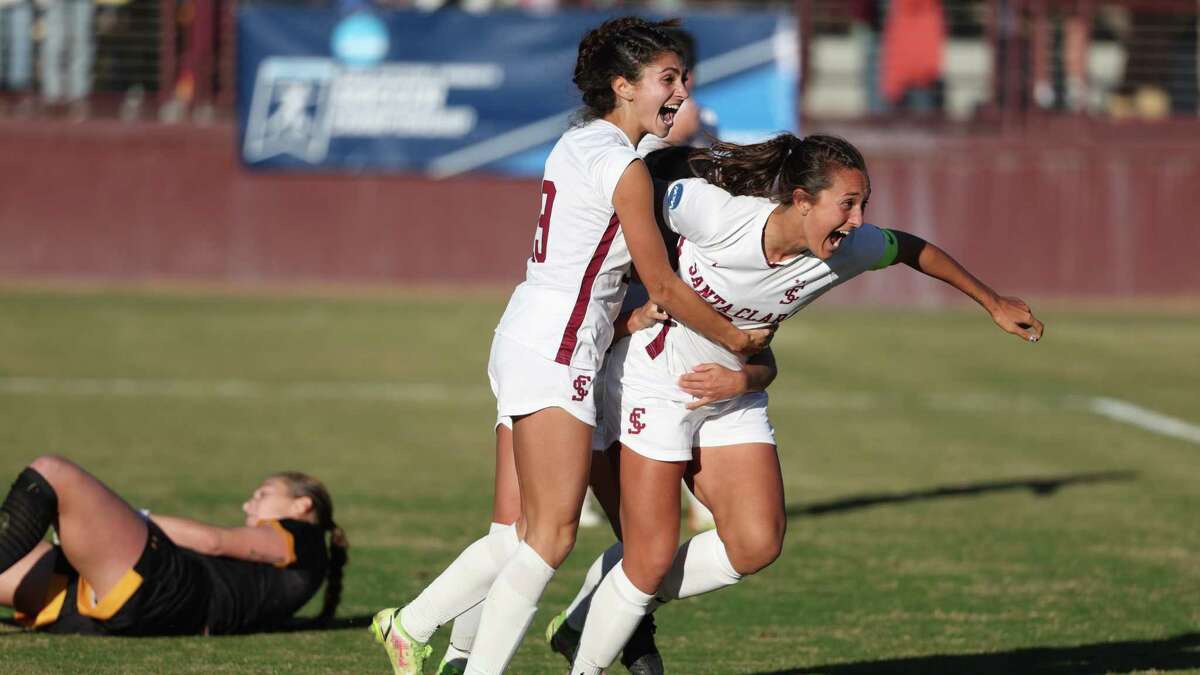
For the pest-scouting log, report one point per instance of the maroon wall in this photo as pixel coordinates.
(111, 201)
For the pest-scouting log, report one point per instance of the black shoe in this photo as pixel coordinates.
(640, 655)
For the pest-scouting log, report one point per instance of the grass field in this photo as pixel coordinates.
(957, 502)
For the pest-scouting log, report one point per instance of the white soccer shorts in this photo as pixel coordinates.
(525, 382)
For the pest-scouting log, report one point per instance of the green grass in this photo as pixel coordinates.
(955, 507)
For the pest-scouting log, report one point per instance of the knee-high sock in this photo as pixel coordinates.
(462, 586)
(508, 610)
(462, 634)
(701, 565)
(616, 609)
(27, 512)
(578, 609)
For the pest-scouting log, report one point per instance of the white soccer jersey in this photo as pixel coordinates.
(721, 257)
(564, 310)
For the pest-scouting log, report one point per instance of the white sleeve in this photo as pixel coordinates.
(693, 209)
(609, 166)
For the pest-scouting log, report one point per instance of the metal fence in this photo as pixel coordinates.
(972, 61)
(966, 60)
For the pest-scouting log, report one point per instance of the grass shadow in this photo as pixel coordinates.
(1041, 487)
(1181, 652)
(305, 625)
(293, 626)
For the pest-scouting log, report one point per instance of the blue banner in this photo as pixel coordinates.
(449, 92)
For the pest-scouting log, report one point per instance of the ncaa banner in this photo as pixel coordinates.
(449, 92)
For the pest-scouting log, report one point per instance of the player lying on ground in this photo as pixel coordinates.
(768, 229)
(119, 572)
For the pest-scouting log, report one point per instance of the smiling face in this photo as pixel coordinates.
(272, 500)
(836, 211)
(652, 101)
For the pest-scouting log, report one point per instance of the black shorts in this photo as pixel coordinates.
(165, 593)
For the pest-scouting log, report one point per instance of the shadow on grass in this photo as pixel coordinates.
(1175, 653)
(1041, 487)
(339, 623)
(293, 626)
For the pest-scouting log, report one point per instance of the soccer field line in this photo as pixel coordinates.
(1114, 409)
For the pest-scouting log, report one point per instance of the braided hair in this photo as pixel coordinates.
(303, 485)
(618, 48)
(775, 168)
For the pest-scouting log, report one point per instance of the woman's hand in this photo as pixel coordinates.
(645, 316)
(710, 383)
(1014, 316)
(755, 340)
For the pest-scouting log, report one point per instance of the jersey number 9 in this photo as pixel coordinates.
(541, 237)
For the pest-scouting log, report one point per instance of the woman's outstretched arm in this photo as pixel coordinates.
(1011, 314)
(263, 543)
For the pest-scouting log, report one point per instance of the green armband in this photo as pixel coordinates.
(890, 251)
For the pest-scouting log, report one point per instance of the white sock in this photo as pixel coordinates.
(617, 608)
(462, 634)
(699, 517)
(508, 611)
(701, 565)
(455, 654)
(463, 585)
(578, 609)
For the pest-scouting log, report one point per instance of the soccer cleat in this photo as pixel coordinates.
(406, 654)
(640, 655)
(452, 667)
(562, 638)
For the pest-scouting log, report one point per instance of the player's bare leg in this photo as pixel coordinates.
(553, 456)
(650, 523)
(24, 586)
(743, 485)
(102, 536)
(506, 497)
(506, 509)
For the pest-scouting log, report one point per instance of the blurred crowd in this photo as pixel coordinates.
(1122, 59)
(862, 58)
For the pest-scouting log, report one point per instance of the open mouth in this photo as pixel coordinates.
(667, 113)
(836, 237)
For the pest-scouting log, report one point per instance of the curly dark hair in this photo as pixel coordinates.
(775, 168)
(618, 48)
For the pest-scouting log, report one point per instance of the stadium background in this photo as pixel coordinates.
(183, 324)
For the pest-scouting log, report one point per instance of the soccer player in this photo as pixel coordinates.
(597, 215)
(120, 572)
(768, 229)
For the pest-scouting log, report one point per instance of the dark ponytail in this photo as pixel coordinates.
(775, 168)
(303, 485)
(618, 48)
(339, 555)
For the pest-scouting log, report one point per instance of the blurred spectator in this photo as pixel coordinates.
(68, 36)
(1160, 72)
(1067, 87)
(16, 44)
(866, 23)
(914, 36)
(195, 81)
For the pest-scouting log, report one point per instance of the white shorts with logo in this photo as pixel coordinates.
(652, 419)
(525, 382)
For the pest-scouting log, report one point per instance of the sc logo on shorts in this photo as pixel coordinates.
(581, 387)
(635, 421)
